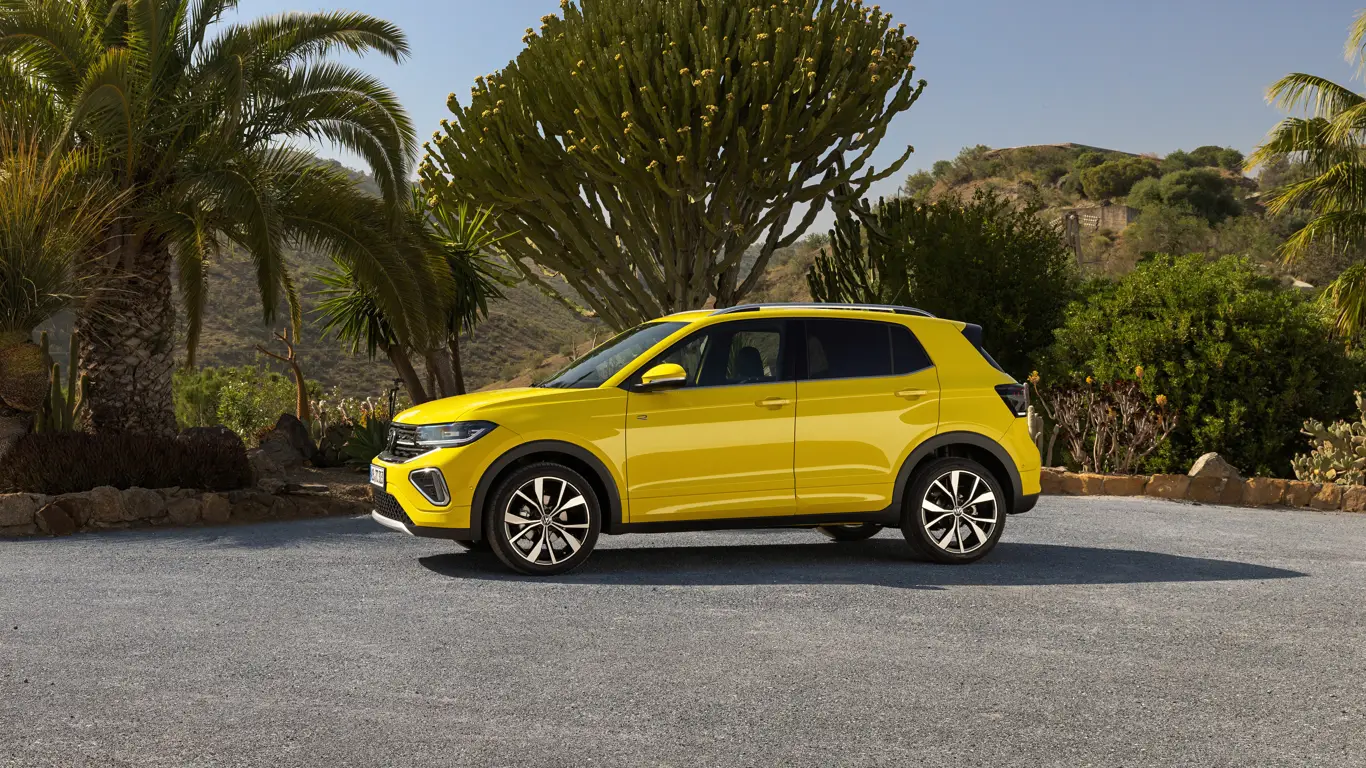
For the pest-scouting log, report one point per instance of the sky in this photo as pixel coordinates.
(1139, 76)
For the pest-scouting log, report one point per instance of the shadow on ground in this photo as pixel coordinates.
(877, 562)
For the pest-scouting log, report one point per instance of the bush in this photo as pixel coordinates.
(246, 399)
(985, 262)
(1163, 229)
(1242, 362)
(1204, 191)
(71, 462)
(1116, 177)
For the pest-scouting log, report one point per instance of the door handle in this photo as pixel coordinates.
(773, 402)
(913, 394)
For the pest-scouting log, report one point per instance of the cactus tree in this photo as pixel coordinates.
(640, 148)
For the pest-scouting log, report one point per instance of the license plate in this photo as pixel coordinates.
(377, 475)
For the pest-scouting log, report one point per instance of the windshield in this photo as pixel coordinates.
(603, 363)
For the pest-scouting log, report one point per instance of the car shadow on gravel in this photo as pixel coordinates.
(885, 563)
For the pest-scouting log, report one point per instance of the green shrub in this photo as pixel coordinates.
(1241, 361)
(1115, 178)
(985, 262)
(1204, 191)
(1163, 229)
(245, 399)
(71, 462)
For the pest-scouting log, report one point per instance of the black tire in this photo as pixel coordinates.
(474, 546)
(552, 529)
(954, 532)
(851, 532)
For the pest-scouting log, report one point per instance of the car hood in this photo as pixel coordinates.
(463, 406)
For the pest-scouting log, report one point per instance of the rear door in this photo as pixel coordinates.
(868, 395)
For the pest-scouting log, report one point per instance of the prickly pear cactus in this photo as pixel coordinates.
(1339, 451)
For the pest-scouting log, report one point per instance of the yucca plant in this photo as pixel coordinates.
(1328, 139)
(197, 121)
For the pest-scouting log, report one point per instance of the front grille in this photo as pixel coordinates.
(402, 444)
(389, 507)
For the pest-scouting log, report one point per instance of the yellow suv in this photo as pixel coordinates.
(838, 417)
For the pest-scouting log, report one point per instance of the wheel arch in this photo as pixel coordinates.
(968, 445)
(577, 458)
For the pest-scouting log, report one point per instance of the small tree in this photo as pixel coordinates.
(986, 262)
(1114, 178)
(1204, 191)
(640, 149)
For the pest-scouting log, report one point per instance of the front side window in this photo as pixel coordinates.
(730, 354)
(596, 367)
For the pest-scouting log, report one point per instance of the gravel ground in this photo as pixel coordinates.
(1102, 632)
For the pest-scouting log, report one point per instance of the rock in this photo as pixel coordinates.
(1263, 491)
(143, 504)
(314, 489)
(1173, 487)
(1328, 497)
(17, 530)
(105, 506)
(1299, 493)
(273, 485)
(54, 520)
(215, 509)
(18, 509)
(1050, 481)
(277, 449)
(331, 448)
(264, 465)
(1083, 485)
(295, 434)
(1232, 495)
(1354, 499)
(1125, 485)
(183, 511)
(1206, 489)
(1213, 465)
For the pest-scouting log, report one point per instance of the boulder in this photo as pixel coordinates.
(55, 520)
(295, 434)
(1232, 495)
(215, 509)
(1354, 499)
(331, 448)
(18, 509)
(277, 449)
(105, 506)
(1050, 481)
(183, 511)
(1298, 493)
(143, 504)
(1125, 485)
(1206, 489)
(1328, 497)
(1213, 465)
(1263, 491)
(1173, 487)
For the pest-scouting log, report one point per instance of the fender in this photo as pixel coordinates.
(932, 446)
(612, 511)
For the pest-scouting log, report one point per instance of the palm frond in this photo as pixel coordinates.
(1318, 96)
(1346, 297)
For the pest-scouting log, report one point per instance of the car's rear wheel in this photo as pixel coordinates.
(955, 512)
(474, 546)
(851, 532)
(543, 520)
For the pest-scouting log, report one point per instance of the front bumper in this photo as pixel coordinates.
(390, 514)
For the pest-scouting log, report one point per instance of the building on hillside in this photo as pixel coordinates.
(1081, 222)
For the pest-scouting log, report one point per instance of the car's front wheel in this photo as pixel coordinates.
(543, 520)
(956, 512)
(851, 532)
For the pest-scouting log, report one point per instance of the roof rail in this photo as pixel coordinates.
(889, 308)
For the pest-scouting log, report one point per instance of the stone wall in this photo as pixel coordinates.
(27, 514)
(1233, 491)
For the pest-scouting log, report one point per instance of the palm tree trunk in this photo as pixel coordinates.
(439, 365)
(411, 381)
(130, 342)
(456, 367)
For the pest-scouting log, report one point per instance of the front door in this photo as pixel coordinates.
(721, 445)
(870, 394)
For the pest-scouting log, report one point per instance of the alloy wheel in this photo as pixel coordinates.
(959, 512)
(546, 521)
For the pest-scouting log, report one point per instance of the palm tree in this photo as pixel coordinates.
(197, 121)
(1329, 140)
(51, 216)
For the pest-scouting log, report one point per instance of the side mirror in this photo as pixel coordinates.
(660, 377)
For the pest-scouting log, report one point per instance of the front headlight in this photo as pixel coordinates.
(452, 435)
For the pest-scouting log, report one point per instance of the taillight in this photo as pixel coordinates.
(1016, 397)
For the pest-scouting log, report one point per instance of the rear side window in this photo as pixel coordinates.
(908, 356)
(847, 349)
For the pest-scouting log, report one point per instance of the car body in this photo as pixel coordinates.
(825, 416)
